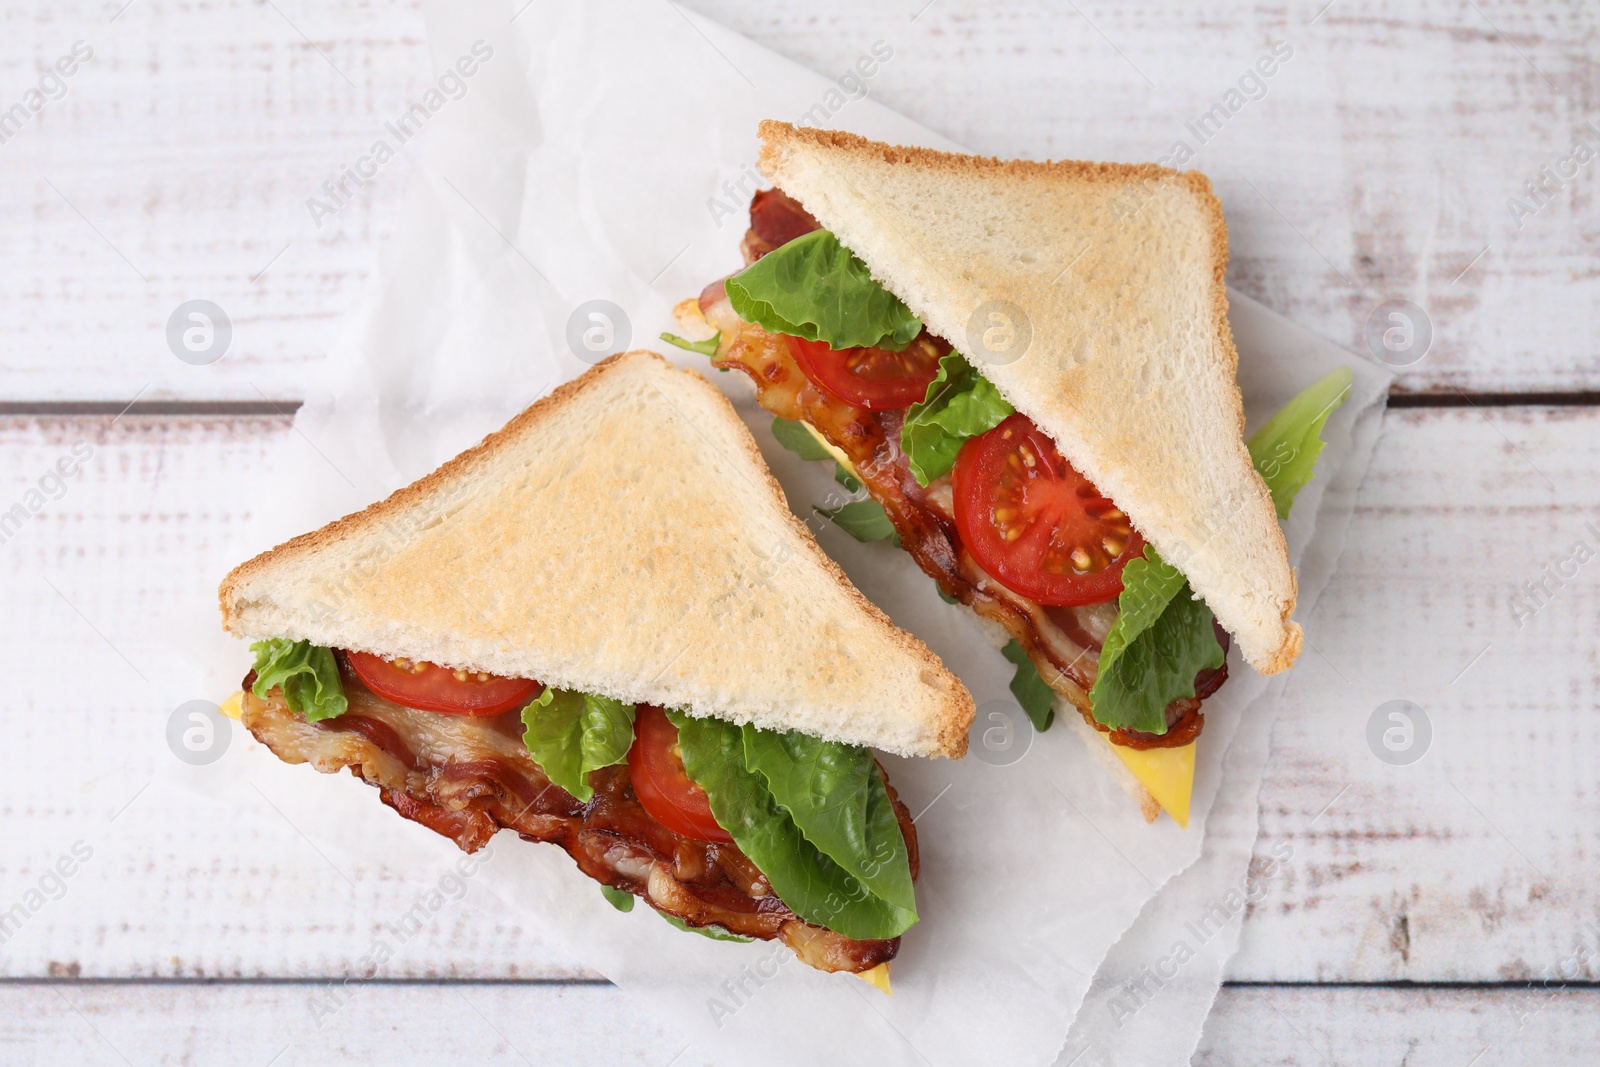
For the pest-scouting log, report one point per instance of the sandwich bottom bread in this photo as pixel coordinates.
(603, 628)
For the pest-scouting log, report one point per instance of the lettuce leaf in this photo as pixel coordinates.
(865, 520)
(813, 287)
(838, 799)
(807, 879)
(1031, 691)
(569, 734)
(620, 899)
(960, 403)
(1161, 639)
(708, 347)
(797, 439)
(1163, 636)
(308, 674)
(1286, 448)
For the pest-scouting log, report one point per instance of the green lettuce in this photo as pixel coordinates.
(865, 520)
(1286, 448)
(1031, 691)
(620, 899)
(816, 885)
(708, 347)
(1161, 639)
(797, 439)
(308, 674)
(569, 734)
(1163, 636)
(814, 287)
(960, 403)
(838, 799)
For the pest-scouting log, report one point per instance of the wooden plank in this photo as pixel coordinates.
(1366, 1027)
(179, 163)
(170, 1023)
(177, 166)
(1394, 874)
(286, 1025)
(1471, 864)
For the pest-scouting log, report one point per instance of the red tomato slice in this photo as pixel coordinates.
(871, 378)
(429, 687)
(1036, 524)
(659, 781)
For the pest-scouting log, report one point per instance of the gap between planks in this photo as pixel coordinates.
(1497, 985)
(285, 408)
(268, 980)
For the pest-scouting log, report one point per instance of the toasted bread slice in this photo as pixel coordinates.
(1116, 271)
(622, 536)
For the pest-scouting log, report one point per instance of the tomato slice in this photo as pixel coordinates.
(871, 378)
(1034, 523)
(659, 781)
(429, 687)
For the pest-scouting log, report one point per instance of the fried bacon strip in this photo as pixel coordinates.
(466, 778)
(1063, 642)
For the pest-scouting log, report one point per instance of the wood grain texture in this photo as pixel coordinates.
(1376, 164)
(1473, 863)
(177, 166)
(530, 1024)
(277, 1025)
(1395, 874)
(1345, 1027)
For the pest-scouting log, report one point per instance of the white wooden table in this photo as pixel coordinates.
(1427, 907)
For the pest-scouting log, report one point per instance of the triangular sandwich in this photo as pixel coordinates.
(603, 627)
(1029, 367)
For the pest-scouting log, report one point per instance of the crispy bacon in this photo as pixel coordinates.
(466, 778)
(1063, 642)
(775, 219)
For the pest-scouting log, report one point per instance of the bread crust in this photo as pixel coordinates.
(956, 709)
(419, 490)
(778, 138)
(781, 141)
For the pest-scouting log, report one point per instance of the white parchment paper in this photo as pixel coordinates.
(604, 152)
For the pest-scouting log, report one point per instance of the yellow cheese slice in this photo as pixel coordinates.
(1167, 772)
(835, 452)
(231, 706)
(877, 977)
